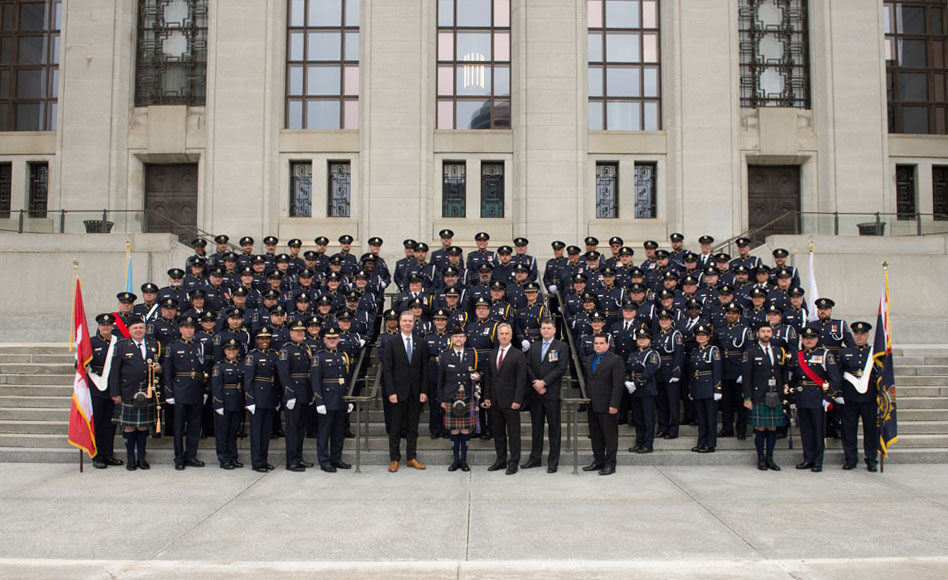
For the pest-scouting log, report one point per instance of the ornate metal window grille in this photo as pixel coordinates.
(607, 190)
(905, 192)
(645, 206)
(339, 189)
(29, 64)
(940, 192)
(916, 57)
(6, 179)
(301, 188)
(172, 53)
(454, 189)
(39, 189)
(473, 88)
(624, 68)
(774, 49)
(322, 64)
(492, 189)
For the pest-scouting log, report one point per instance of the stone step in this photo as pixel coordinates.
(49, 379)
(922, 403)
(65, 358)
(34, 414)
(922, 380)
(37, 390)
(34, 368)
(905, 415)
(11, 401)
(901, 361)
(920, 427)
(34, 348)
(904, 392)
(12, 426)
(939, 350)
(921, 370)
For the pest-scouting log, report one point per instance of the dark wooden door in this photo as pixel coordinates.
(773, 193)
(171, 200)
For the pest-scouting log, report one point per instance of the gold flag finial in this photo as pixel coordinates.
(812, 245)
(885, 265)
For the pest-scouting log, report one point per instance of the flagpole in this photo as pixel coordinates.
(885, 276)
(72, 334)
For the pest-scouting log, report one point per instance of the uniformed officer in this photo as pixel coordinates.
(670, 347)
(705, 257)
(102, 404)
(764, 381)
(135, 411)
(555, 276)
(185, 388)
(858, 398)
(227, 390)
(148, 309)
(706, 374)
(834, 335)
(641, 367)
(481, 254)
(293, 368)
(457, 387)
(435, 343)
(439, 257)
(328, 374)
(263, 398)
(528, 317)
(732, 339)
(815, 380)
(744, 257)
(521, 257)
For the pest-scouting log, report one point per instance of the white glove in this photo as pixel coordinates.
(525, 345)
(552, 288)
(219, 411)
(321, 409)
(382, 284)
(691, 397)
(205, 400)
(170, 401)
(630, 386)
(840, 401)
(251, 408)
(351, 407)
(291, 404)
(717, 396)
(361, 342)
(673, 380)
(826, 405)
(740, 380)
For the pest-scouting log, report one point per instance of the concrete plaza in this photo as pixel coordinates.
(668, 522)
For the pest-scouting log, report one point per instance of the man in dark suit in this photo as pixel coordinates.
(605, 378)
(403, 366)
(505, 386)
(547, 361)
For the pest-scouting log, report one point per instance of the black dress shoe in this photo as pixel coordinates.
(511, 469)
(697, 448)
(261, 469)
(706, 450)
(761, 463)
(297, 467)
(669, 436)
(113, 461)
(660, 435)
(99, 463)
(341, 465)
(228, 466)
(454, 465)
(349, 434)
(551, 469)
(279, 434)
(307, 463)
(328, 468)
(644, 450)
(634, 449)
(194, 463)
(435, 436)
(848, 466)
(445, 435)
(726, 434)
(593, 467)
(142, 464)
(607, 470)
(270, 467)
(131, 466)
(816, 468)
(464, 466)
(872, 467)
(179, 467)
(497, 465)
(771, 465)
(805, 465)
(531, 463)
(238, 464)
(741, 436)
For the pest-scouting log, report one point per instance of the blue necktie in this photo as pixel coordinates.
(408, 348)
(596, 361)
(546, 347)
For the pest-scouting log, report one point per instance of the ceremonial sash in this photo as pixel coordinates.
(801, 358)
(101, 382)
(861, 384)
(150, 312)
(120, 324)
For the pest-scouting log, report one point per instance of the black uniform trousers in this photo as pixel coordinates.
(810, 422)
(102, 408)
(707, 417)
(852, 412)
(208, 418)
(626, 417)
(295, 432)
(435, 412)
(604, 432)
(187, 431)
(506, 423)
(260, 427)
(404, 416)
(541, 409)
(168, 423)
(225, 435)
(643, 413)
(732, 403)
(687, 405)
(331, 436)
(667, 404)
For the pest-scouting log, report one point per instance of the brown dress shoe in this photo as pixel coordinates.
(393, 467)
(415, 463)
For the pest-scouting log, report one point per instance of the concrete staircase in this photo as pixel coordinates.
(36, 386)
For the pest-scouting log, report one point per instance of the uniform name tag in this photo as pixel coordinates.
(771, 382)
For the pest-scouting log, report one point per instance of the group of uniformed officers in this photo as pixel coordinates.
(679, 337)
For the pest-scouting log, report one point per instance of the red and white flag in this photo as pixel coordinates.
(81, 430)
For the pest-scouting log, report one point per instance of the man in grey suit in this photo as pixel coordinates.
(403, 366)
(547, 361)
(605, 378)
(504, 387)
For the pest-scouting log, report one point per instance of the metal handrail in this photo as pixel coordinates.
(357, 402)
(572, 403)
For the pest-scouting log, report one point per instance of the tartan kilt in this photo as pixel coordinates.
(763, 416)
(128, 415)
(466, 423)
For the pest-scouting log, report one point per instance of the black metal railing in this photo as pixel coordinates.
(572, 404)
(359, 402)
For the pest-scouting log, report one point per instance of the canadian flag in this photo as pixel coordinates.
(81, 430)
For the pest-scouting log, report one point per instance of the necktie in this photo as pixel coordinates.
(408, 347)
(596, 361)
(141, 347)
(500, 358)
(770, 356)
(546, 346)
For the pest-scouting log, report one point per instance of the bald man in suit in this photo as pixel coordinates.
(505, 386)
